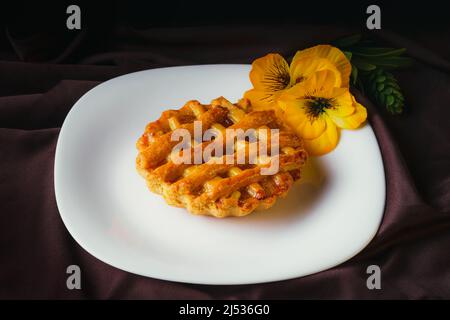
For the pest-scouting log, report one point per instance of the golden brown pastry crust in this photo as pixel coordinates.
(216, 189)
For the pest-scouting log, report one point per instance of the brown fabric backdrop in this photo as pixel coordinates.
(38, 87)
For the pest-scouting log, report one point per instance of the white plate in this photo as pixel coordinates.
(107, 208)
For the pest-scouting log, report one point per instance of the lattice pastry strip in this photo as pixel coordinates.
(236, 115)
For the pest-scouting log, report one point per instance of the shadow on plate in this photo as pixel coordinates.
(300, 200)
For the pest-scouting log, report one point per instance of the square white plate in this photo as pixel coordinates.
(108, 209)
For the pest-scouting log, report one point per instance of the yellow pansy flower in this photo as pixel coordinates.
(316, 109)
(271, 75)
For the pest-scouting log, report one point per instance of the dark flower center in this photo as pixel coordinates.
(317, 105)
(276, 78)
(299, 79)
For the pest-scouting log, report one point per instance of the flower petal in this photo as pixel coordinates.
(270, 73)
(303, 69)
(319, 84)
(326, 142)
(354, 120)
(343, 103)
(312, 128)
(293, 112)
(325, 82)
(260, 99)
(334, 55)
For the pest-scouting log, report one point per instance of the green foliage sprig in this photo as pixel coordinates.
(370, 65)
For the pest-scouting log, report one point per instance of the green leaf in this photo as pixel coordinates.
(363, 65)
(348, 54)
(398, 95)
(384, 90)
(369, 65)
(354, 75)
(387, 90)
(391, 62)
(360, 85)
(373, 86)
(347, 41)
(380, 78)
(389, 100)
(377, 51)
(366, 43)
(381, 98)
(393, 85)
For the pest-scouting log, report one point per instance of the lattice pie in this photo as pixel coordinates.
(211, 187)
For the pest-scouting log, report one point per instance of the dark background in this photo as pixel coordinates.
(21, 19)
(402, 15)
